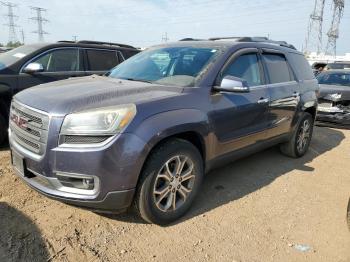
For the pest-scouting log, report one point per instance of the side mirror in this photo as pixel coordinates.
(33, 68)
(233, 84)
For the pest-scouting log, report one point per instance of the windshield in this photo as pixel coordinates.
(169, 66)
(341, 79)
(11, 57)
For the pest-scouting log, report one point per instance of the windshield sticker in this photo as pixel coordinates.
(19, 55)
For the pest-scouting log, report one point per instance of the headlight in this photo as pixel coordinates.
(102, 121)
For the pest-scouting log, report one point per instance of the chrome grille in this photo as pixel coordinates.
(29, 127)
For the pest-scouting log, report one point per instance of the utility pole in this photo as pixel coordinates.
(22, 34)
(333, 33)
(313, 41)
(75, 38)
(165, 37)
(11, 21)
(40, 20)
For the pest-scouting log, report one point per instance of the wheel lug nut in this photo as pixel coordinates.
(178, 187)
(173, 190)
(170, 186)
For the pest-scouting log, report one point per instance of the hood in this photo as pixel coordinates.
(77, 94)
(326, 90)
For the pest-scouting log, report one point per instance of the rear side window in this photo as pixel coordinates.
(101, 60)
(277, 68)
(301, 67)
(245, 67)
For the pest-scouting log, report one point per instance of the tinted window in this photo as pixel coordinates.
(278, 69)
(302, 67)
(340, 79)
(247, 68)
(101, 60)
(61, 60)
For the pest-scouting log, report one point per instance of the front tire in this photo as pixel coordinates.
(3, 130)
(298, 145)
(169, 182)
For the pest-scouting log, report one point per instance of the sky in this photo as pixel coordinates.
(143, 23)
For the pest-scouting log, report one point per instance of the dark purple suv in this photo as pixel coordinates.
(147, 132)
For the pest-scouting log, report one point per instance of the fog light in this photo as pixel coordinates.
(75, 181)
(88, 183)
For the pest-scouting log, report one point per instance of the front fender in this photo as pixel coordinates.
(166, 124)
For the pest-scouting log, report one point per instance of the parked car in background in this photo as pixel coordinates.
(348, 215)
(4, 49)
(148, 132)
(35, 64)
(334, 98)
(337, 66)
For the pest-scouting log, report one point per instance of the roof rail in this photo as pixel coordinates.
(65, 41)
(104, 43)
(260, 39)
(190, 39)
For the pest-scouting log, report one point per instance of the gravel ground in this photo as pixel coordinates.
(266, 207)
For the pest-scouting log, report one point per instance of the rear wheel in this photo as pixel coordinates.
(169, 182)
(298, 145)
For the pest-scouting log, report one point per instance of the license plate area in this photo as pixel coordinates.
(18, 163)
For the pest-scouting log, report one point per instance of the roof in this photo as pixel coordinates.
(227, 42)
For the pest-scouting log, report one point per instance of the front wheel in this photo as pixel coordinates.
(298, 145)
(169, 182)
(3, 130)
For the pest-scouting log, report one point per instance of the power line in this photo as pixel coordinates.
(11, 21)
(314, 32)
(40, 21)
(165, 37)
(333, 33)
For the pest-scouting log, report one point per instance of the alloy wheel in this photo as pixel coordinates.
(174, 183)
(303, 135)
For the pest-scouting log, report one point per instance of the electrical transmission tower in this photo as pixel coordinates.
(11, 21)
(333, 33)
(314, 32)
(40, 21)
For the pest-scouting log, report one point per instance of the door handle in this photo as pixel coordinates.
(263, 100)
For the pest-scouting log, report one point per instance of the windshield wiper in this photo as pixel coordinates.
(138, 80)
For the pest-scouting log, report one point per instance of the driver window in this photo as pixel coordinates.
(62, 60)
(247, 68)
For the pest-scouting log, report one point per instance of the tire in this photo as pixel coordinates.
(159, 185)
(3, 130)
(294, 148)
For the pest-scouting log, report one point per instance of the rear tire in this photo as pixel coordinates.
(298, 145)
(3, 130)
(169, 182)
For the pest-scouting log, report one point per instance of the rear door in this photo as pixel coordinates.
(58, 64)
(283, 90)
(100, 61)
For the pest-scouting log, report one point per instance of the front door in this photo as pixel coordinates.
(58, 64)
(240, 119)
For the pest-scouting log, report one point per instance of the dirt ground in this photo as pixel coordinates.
(266, 207)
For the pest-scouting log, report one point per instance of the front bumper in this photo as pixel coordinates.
(115, 165)
(333, 119)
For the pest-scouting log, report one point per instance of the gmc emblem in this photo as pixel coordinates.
(19, 121)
